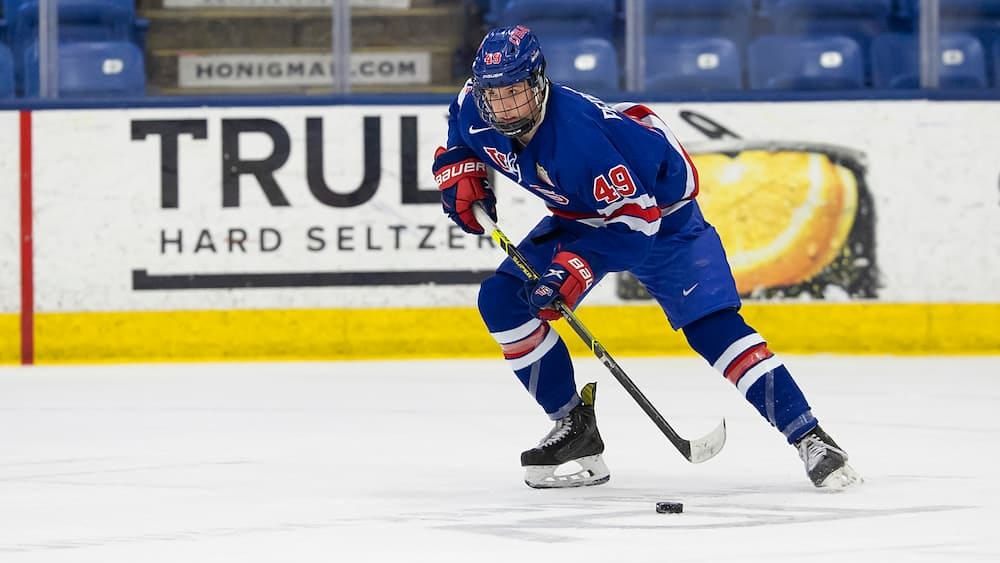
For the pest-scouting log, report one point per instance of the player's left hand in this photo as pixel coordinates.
(567, 277)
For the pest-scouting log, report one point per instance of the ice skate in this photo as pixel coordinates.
(570, 454)
(826, 463)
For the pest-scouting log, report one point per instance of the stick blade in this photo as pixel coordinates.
(706, 447)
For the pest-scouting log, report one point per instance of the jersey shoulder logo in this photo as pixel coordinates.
(474, 130)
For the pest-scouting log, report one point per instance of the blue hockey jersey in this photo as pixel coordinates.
(610, 172)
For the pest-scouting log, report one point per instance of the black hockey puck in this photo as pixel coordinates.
(669, 507)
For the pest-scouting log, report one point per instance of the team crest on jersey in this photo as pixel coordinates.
(543, 175)
(505, 161)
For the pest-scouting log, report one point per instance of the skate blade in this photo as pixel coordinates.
(844, 478)
(592, 471)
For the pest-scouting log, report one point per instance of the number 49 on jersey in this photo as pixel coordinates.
(614, 185)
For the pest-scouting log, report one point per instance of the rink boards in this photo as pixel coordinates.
(314, 232)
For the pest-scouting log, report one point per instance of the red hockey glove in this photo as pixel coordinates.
(568, 277)
(461, 177)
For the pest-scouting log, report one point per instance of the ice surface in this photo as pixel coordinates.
(418, 461)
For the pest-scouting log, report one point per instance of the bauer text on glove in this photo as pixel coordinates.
(461, 177)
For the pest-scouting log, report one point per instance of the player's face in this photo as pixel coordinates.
(510, 103)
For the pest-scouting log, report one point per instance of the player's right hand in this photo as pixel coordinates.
(461, 177)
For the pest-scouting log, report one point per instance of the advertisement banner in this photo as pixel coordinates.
(310, 207)
(255, 70)
(335, 207)
(852, 200)
(10, 217)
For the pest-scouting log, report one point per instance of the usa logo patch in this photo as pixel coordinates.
(543, 291)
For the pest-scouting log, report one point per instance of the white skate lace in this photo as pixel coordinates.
(812, 450)
(558, 432)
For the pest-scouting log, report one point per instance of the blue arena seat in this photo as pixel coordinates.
(781, 62)
(896, 61)
(79, 20)
(973, 8)
(7, 84)
(492, 9)
(562, 18)
(589, 63)
(996, 63)
(83, 20)
(692, 64)
(95, 69)
(858, 19)
(978, 17)
(720, 18)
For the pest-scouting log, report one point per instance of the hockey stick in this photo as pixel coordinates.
(695, 451)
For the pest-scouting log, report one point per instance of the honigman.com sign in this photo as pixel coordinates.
(309, 69)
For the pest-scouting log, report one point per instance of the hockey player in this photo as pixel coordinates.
(621, 192)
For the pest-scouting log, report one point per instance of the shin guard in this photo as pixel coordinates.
(533, 350)
(742, 357)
